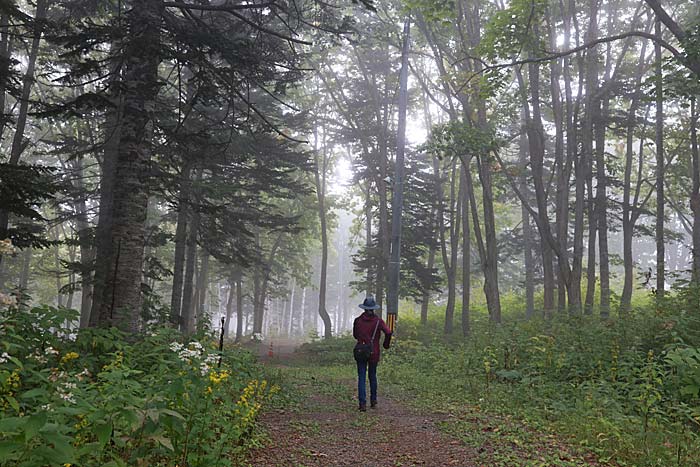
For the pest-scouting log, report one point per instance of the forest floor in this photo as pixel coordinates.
(319, 425)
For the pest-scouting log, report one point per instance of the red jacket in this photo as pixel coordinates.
(363, 328)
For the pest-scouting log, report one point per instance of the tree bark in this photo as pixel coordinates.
(201, 290)
(602, 214)
(24, 274)
(466, 256)
(562, 165)
(187, 310)
(108, 168)
(183, 213)
(630, 211)
(18, 143)
(320, 179)
(239, 307)
(87, 252)
(695, 194)
(527, 236)
(5, 61)
(660, 173)
(121, 297)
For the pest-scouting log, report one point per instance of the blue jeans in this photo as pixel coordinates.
(361, 382)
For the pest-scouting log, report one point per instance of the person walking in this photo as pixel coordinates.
(366, 330)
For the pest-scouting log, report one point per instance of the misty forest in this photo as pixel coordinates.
(202, 203)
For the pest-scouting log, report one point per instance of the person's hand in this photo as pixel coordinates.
(387, 341)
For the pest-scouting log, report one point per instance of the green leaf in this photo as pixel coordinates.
(36, 422)
(12, 424)
(61, 444)
(32, 393)
(172, 413)
(13, 402)
(8, 449)
(103, 431)
(165, 442)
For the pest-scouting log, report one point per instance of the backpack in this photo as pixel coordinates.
(363, 352)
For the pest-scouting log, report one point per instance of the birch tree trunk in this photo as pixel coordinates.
(183, 213)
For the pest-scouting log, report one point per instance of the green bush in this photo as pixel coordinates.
(93, 398)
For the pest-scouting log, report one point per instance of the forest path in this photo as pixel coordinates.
(320, 425)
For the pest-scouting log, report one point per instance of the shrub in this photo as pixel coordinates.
(94, 398)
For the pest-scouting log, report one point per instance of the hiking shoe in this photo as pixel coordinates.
(363, 407)
(373, 404)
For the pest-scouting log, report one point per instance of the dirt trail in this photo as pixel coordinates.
(324, 428)
(327, 430)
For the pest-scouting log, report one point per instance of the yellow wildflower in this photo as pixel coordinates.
(218, 378)
(69, 356)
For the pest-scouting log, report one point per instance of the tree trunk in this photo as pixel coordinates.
(87, 252)
(112, 135)
(239, 307)
(180, 242)
(320, 179)
(562, 167)
(660, 172)
(602, 213)
(187, 310)
(290, 321)
(5, 62)
(425, 299)
(536, 139)
(493, 296)
(18, 143)
(695, 195)
(202, 288)
(466, 256)
(449, 259)
(302, 315)
(229, 304)
(527, 236)
(24, 275)
(592, 230)
(629, 206)
(121, 297)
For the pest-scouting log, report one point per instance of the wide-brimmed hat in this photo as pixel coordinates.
(369, 304)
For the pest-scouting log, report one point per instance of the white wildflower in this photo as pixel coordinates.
(4, 357)
(50, 351)
(64, 392)
(175, 347)
(38, 357)
(68, 397)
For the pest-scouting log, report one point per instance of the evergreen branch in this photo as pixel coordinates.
(232, 10)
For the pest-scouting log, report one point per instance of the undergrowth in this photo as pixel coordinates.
(96, 398)
(626, 389)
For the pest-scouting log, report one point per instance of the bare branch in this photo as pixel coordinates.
(224, 7)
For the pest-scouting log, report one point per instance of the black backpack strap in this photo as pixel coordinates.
(374, 333)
